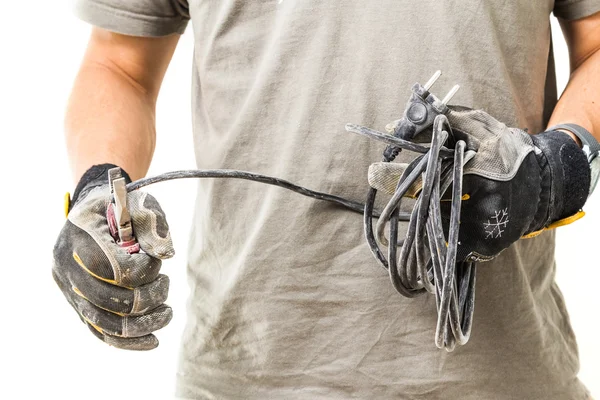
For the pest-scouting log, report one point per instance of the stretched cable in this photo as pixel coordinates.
(235, 174)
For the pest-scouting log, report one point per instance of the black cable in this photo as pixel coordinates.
(394, 141)
(425, 263)
(368, 228)
(235, 174)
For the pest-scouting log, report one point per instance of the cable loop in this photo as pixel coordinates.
(426, 260)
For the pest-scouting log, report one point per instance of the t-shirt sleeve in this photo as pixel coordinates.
(135, 17)
(575, 9)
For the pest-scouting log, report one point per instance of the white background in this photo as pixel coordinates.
(45, 350)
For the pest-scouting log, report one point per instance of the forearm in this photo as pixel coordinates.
(580, 102)
(111, 113)
(109, 120)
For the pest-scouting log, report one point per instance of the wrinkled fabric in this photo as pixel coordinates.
(286, 299)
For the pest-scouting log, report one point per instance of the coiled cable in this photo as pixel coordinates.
(427, 262)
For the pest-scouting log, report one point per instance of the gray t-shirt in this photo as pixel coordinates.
(287, 301)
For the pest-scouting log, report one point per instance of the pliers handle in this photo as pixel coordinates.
(117, 214)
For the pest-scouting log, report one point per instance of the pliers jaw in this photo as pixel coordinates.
(117, 214)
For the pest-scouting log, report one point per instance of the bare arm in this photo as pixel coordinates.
(580, 102)
(110, 116)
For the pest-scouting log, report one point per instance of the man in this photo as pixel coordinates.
(287, 300)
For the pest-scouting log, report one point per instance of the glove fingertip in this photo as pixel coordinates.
(167, 254)
(162, 250)
(142, 343)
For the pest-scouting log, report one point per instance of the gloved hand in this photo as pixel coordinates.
(118, 295)
(515, 185)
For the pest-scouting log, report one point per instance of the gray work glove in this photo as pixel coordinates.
(118, 295)
(515, 184)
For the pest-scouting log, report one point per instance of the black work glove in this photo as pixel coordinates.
(118, 295)
(515, 184)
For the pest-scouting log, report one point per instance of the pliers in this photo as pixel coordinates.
(117, 214)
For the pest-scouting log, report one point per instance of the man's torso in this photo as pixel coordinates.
(287, 301)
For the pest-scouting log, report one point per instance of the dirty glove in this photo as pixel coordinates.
(515, 185)
(118, 295)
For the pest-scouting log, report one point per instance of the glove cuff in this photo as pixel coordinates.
(95, 176)
(566, 174)
(590, 146)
